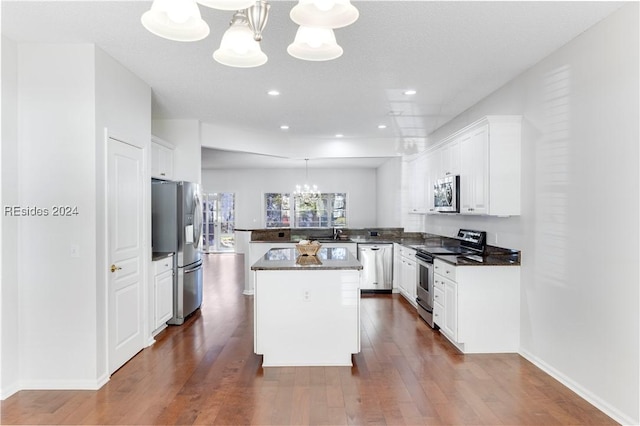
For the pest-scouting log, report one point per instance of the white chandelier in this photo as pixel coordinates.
(306, 192)
(180, 20)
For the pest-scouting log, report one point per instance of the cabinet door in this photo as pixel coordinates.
(450, 158)
(409, 279)
(417, 179)
(163, 293)
(450, 323)
(474, 176)
(161, 161)
(412, 281)
(430, 179)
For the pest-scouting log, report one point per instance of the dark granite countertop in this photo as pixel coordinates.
(486, 260)
(328, 258)
(493, 256)
(159, 255)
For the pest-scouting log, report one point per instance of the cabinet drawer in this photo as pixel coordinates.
(444, 269)
(438, 284)
(409, 253)
(162, 265)
(438, 314)
(438, 295)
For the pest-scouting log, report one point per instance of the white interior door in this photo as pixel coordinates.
(125, 208)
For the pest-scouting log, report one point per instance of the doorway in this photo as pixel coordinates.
(218, 222)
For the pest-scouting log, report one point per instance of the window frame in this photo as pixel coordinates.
(294, 221)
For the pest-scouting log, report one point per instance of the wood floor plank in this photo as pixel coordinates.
(205, 372)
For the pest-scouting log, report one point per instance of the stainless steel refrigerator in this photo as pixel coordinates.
(177, 227)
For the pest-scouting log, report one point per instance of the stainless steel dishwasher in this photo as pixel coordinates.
(377, 267)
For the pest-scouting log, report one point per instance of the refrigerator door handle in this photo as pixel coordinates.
(187, 271)
(197, 221)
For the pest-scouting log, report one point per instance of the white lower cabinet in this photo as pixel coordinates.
(478, 307)
(307, 317)
(406, 268)
(162, 294)
(450, 323)
(438, 302)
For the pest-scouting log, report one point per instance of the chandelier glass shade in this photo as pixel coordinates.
(238, 47)
(177, 20)
(227, 4)
(314, 44)
(315, 40)
(324, 13)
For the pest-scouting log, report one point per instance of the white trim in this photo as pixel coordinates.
(8, 391)
(592, 399)
(162, 142)
(64, 384)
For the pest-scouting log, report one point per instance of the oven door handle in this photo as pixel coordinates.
(418, 301)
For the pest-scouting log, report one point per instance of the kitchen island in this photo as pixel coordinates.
(307, 308)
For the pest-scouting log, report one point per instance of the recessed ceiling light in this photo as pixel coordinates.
(284, 127)
(339, 135)
(273, 93)
(382, 126)
(410, 92)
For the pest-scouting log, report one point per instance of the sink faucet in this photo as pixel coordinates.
(336, 233)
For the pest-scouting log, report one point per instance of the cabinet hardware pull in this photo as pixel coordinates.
(115, 268)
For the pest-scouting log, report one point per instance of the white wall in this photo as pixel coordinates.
(185, 136)
(9, 288)
(65, 96)
(388, 194)
(249, 185)
(578, 231)
(57, 167)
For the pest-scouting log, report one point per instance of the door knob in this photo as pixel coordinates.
(115, 268)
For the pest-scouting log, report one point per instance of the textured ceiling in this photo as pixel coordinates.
(452, 53)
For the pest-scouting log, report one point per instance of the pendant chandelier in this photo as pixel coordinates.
(306, 192)
(180, 20)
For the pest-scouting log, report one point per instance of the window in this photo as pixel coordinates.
(278, 210)
(323, 210)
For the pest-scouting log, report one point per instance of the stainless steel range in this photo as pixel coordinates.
(468, 242)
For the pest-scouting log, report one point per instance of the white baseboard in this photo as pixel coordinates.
(7, 391)
(592, 399)
(64, 384)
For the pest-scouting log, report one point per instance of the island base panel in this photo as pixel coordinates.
(305, 318)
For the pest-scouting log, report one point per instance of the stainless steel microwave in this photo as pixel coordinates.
(446, 194)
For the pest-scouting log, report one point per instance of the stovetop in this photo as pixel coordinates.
(443, 249)
(468, 242)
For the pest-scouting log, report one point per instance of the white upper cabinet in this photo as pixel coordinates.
(449, 159)
(432, 173)
(417, 169)
(161, 159)
(486, 155)
(474, 175)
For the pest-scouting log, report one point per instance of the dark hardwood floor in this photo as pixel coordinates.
(205, 372)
